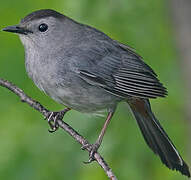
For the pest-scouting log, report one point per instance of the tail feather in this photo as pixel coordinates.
(156, 137)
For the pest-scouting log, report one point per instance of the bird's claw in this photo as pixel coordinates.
(52, 121)
(92, 148)
(52, 118)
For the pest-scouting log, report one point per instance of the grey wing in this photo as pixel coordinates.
(122, 72)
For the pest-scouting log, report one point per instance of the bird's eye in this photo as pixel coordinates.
(43, 27)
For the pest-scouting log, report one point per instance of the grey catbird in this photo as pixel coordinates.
(84, 69)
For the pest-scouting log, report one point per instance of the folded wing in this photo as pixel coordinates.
(123, 73)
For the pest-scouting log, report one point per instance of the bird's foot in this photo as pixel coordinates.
(92, 148)
(52, 118)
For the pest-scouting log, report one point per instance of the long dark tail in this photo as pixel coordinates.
(156, 137)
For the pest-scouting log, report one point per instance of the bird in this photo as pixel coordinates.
(85, 70)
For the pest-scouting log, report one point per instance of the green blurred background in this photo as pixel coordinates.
(28, 151)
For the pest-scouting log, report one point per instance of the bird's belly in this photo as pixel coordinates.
(84, 99)
(70, 90)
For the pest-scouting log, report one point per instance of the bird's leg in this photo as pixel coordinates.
(52, 118)
(95, 147)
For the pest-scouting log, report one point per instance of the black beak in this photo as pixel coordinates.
(17, 29)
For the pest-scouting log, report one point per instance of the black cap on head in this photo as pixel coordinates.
(43, 13)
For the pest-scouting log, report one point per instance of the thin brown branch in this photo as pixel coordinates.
(80, 139)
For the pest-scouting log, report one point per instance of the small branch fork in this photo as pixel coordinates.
(80, 139)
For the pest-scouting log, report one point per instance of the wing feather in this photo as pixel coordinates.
(122, 72)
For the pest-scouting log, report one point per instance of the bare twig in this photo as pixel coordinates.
(80, 139)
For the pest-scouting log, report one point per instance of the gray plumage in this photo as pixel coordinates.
(84, 69)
